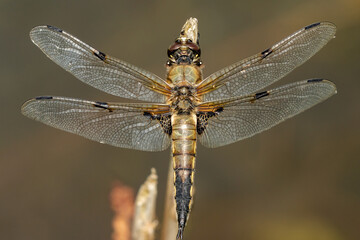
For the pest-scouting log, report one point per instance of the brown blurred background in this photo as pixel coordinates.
(299, 180)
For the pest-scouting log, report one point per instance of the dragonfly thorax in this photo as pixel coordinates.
(183, 99)
(183, 78)
(180, 75)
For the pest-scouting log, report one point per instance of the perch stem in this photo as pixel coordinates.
(170, 227)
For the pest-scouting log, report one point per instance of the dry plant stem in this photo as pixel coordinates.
(170, 226)
(122, 203)
(144, 223)
(190, 30)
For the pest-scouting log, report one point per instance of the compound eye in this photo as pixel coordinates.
(175, 46)
(192, 46)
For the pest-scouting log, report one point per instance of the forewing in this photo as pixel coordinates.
(121, 125)
(255, 73)
(96, 68)
(243, 117)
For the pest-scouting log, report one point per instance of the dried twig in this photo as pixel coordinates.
(144, 223)
(190, 30)
(122, 202)
(170, 226)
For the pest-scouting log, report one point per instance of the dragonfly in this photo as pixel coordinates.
(225, 107)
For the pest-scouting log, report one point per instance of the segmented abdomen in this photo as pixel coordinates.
(183, 151)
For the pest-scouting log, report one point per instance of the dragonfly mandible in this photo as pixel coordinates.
(223, 108)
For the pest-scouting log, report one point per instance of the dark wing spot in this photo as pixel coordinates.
(312, 25)
(100, 55)
(164, 120)
(102, 105)
(54, 28)
(147, 114)
(315, 80)
(43, 97)
(266, 53)
(261, 94)
(219, 110)
(203, 118)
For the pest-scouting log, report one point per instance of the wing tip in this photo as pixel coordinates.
(24, 109)
(35, 31)
(329, 26)
(324, 23)
(50, 27)
(324, 81)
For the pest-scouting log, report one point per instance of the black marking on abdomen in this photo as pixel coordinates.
(312, 25)
(102, 105)
(44, 97)
(266, 53)
(190, 154)
(54, 28)
(182, 198)
(261, 94)
(100, 55)
(184, 169)
(175, 139)
(315, 80)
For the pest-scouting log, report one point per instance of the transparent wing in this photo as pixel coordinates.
(243, 117)
(97, 69)
(121, 125)
(255, 73)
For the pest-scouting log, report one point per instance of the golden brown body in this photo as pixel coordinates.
(183, 152)
(184, 132)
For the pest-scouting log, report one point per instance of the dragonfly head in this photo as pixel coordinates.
(184, 51)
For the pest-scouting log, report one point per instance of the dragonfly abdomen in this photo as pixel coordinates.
(183, 152)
